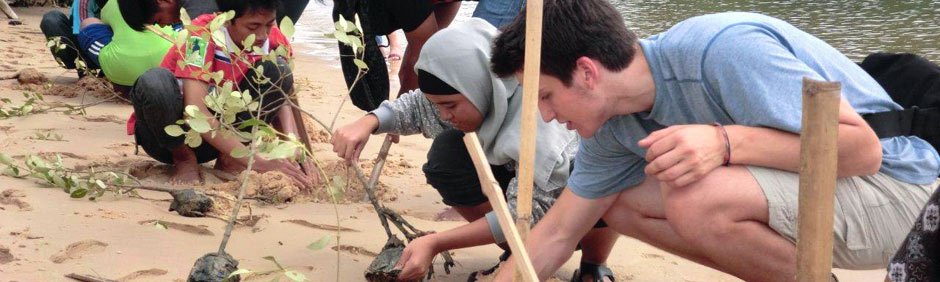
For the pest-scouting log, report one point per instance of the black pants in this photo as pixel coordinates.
(288, 8)
(158, 102)
(291, 9)
(451, 172)
(56, 24)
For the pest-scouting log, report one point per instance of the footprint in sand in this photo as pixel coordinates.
(5, 255)
(327, 227)
(192, 229)
(652, 256)
(355, 250)
(149, 273)
(15, 197)
(78, 249)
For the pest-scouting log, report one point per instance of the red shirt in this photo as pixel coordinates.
(198, 54)
(198, 57)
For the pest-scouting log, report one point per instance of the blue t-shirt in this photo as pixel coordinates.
(736, 68)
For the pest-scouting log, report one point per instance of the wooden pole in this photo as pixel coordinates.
(818, 164)
(500, 207)
(8, 11)
(531, 71)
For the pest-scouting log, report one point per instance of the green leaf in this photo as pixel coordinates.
(319, 244)
(200, 125)
(174, 130)
(272, 259)
(336, 190)
(193, 139)
(283, 150)
(294, 275)
(159, 225)
(12, 171)
(184, 17)
(78, 193)
(4, 159)
(248, 42)
(287, 27)
(58, 181)
(240, 152)
(358, 24)
(251, 122)
(192, 110)
(237, 272)
(361, 64)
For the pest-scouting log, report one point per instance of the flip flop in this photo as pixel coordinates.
(502, 258)
(597, 271)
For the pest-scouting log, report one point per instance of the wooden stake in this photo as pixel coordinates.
(498, 201)
(530, 94)
(818, 164)
(7, 10)
(302, 133)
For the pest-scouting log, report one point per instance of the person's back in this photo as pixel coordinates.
(131, 52)
(702, 63)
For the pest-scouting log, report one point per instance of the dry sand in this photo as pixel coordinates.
(45, 235)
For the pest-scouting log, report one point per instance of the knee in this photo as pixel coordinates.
(695, 220)
(90, 21)
(51, 20)
(153, 82)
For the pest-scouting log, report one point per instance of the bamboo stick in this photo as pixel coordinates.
(531, 71)
(818, 164)
(500, 207)
(8, 11)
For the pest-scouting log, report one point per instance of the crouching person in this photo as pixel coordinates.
(161, 94)
(691, 141)
(459, 94)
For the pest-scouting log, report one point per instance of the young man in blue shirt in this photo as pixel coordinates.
(691, 141)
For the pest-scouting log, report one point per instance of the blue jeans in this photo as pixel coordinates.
(498, 12)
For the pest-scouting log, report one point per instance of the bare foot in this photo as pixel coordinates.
(186, 169)
(186, 173)
(228, 164)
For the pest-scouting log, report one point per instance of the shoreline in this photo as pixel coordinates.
(115, 237)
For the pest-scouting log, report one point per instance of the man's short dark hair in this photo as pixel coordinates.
(138, 13)
(572, 29)
(243, 7)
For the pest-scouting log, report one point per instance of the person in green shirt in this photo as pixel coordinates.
(120, 45)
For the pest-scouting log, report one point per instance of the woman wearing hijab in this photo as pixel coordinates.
(458, 94)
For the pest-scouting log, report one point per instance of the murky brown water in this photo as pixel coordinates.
(857, 28)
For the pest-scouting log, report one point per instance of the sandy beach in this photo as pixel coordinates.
(45, 235)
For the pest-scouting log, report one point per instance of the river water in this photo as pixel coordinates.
(856, 27)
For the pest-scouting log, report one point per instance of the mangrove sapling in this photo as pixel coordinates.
(95, 183)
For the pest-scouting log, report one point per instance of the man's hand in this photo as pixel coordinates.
(680, 155)
(287, 167)
(349, 140)
(416, 258)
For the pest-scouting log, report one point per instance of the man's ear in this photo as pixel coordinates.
(586, 71)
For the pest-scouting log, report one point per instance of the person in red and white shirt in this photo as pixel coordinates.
(161, 94)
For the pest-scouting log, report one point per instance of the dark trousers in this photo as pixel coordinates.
(158, 102)
(288, 8)
(291, 9)
(451, 172)
(56, 24)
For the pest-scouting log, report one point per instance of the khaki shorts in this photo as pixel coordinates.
(873, 214)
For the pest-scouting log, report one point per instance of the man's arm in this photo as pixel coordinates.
(859, 148)
(416, 39)
(554, 238)
(682, 154)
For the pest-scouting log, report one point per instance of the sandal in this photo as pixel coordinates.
(597, 271)
(502, 258)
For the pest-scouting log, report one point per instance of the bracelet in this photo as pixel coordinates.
(724, 133)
